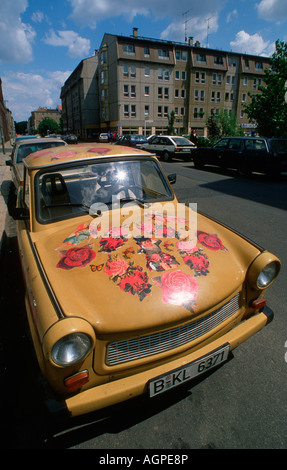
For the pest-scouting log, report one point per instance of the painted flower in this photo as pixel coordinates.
(178, 288)
(186, 246)
(110, 244)
(210, 241)
(197, 261)
(116, 267)
(135, 281)
(76, 258)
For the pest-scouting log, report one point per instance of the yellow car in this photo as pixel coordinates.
(129, 292)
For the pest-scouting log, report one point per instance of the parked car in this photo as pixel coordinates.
(70, 139)
(22, 148)
(129, 292)
(168, 147)
(132, 140)
(246, 154)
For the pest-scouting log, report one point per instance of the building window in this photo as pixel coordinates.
(166, 93)
(201, 58)
(146, 52)
(125, 70)
(160, 74)
(202, 95)
(159, 111)
(245, 81)
(246, 64)
(129, 49)
(159, 93)
(183, 75)
(147, 72)
(166, 74)
(182, 111)
(163, 54)
(258, 66)
(183, 94)
(133, 71)
(126, 90)
(133, 91)
(165, 111)
(146, 110)
(133, 110)
(146, 90)
(218, 60)
(196, 95)
(126, 110)
(176, 93)
(177, 75)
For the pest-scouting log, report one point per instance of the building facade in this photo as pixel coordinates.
(140, 81)
(80, 101)
(40, 114)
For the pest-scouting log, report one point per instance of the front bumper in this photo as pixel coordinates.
(126, 388)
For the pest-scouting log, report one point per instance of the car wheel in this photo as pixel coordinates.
(243, 169)
(166, 156)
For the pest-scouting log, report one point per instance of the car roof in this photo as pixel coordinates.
(37, 140)
(69, 154)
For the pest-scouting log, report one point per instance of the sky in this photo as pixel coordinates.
(43, 41)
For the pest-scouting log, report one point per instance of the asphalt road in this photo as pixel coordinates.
(241, 405)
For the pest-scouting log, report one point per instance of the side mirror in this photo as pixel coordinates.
(172, 178)
(9, 163)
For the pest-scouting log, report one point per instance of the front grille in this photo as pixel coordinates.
(119, 352)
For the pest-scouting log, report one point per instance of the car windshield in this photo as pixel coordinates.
(74, 190)
(181, 141)
(138, 138)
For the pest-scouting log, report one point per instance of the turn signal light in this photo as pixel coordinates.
(77, 381)
(258, 304)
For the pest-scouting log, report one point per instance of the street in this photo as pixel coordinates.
(240, 405)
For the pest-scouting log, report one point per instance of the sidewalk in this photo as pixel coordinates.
(5, 219)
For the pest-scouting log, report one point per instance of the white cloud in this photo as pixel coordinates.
(16, 38)
(251, 44)
(272, 10)
(26, 92)
(231, 15)
(77, 46)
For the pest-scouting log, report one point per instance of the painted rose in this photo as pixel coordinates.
(116, 267)
(110, 244)
(186, 246)
(136, 281)
(210, 241)
(198, 262)
(76, 258)
(178, 288)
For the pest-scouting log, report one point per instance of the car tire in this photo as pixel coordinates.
(166, 156)
(197, 163)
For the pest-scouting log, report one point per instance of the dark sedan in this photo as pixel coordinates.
(132, 140)
(246, 154)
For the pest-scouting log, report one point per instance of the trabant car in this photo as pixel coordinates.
(129, 292)
(246, 154)
(22, 148)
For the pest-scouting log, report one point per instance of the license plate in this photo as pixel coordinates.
(178, 376)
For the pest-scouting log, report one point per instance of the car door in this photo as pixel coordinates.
(234, 153)
(217, 154)
(153, 145)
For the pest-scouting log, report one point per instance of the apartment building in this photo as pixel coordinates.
(80, 101)
(41, 113)
(140, 81)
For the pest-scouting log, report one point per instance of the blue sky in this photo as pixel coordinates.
(42, 41)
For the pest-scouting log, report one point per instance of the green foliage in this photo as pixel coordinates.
(222, 124)
(48, 126)
(269, 109)
(171, 119)
(21, 127)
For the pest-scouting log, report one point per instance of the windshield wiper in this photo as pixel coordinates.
(71, 204)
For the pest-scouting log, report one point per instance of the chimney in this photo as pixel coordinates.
(135, 32)
(190, 41)
(197, 43)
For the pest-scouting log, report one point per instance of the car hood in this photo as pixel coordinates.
(168, 270)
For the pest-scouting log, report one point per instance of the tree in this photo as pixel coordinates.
(48, 126)
(222, 124)
(269, 109)
(171, 119)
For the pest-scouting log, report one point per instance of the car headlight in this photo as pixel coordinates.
(263, 271)
(71, 349)
(267, 275)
